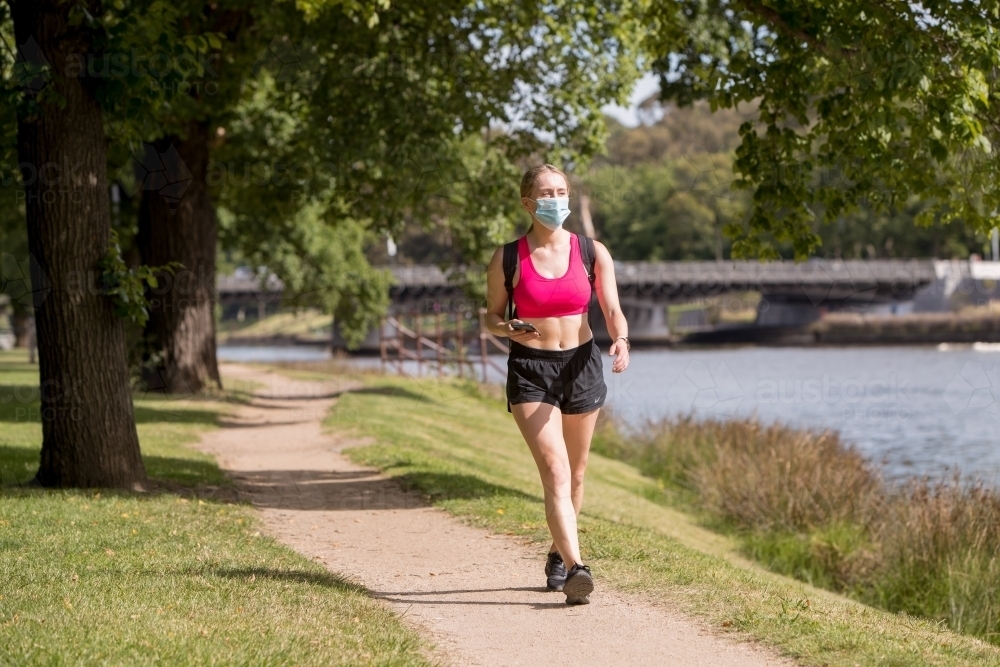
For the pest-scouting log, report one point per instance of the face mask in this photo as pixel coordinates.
(552, 212)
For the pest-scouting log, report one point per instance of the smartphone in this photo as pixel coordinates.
(524, 326)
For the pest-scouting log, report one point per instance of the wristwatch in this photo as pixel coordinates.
(628, 345)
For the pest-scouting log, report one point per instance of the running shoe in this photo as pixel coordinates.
(579, 584)
(555, 570)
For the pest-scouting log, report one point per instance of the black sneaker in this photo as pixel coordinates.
(555, 570)
(579, 584)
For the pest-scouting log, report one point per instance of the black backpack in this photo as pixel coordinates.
(587, 253)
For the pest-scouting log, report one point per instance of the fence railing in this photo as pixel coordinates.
(437, 341)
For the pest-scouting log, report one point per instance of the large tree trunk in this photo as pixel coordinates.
(181, 325)
(88, 427)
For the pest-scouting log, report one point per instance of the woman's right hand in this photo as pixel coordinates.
(520, 335)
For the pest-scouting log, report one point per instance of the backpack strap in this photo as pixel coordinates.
(510, 258)
(589, 256)
(509, 269)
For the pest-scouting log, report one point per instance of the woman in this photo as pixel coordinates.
(555, 380)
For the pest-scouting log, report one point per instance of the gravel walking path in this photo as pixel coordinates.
(480, 598)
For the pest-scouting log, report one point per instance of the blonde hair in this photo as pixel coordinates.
(530, 176)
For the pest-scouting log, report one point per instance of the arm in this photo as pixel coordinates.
(607, 297)
(496, 303)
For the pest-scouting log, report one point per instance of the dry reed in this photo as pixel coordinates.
(811, 506)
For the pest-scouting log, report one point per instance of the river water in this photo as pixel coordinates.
(919, 410)
(268, 354)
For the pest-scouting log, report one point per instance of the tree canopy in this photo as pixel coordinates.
(335, 122)
(858, 101)
(424, 116)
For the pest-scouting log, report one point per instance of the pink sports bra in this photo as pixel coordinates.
(537, 296)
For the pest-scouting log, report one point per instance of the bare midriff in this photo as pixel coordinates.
(559, 333)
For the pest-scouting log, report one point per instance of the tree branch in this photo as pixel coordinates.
(778, 22)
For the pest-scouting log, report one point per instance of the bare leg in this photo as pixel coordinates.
(578, 431)
(541, 425)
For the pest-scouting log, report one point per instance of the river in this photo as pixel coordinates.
(919, 410)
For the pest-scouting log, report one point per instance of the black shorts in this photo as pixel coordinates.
(572, 380)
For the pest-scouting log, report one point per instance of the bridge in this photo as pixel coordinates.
(673, 282)
(791, 294)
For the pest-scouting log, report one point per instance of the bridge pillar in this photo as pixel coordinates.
(777, 311)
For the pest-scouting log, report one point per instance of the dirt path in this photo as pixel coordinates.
(479, 597)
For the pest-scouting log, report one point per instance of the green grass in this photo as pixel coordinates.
(165, 426)
(92, 577)
(308, 322)
(461, 449)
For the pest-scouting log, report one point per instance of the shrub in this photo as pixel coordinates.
(937, 556)
(761, 477)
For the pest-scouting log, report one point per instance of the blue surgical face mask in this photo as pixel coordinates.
(552, 211)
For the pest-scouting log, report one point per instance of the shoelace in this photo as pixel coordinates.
(554, 563)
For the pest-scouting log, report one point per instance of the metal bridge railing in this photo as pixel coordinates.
(438, 341)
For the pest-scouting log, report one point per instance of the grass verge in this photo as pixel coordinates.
(460, 448)
(90, 577)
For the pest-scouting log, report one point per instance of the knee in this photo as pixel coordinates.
(558, 478)
(576, 478)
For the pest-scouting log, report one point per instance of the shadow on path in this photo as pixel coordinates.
(229, 423)
(360, 490)
(327, 579)
(478, 603)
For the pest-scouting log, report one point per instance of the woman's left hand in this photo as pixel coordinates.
(619, 350)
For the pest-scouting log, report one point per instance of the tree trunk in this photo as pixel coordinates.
(585, 219)
(20, 322)
(177, 224)
(88, 426)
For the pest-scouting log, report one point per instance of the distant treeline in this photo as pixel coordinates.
(664, 192)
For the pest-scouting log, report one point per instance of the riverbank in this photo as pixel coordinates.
(455, 444)
(808, 505)
(972, 326)
(304, 327)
